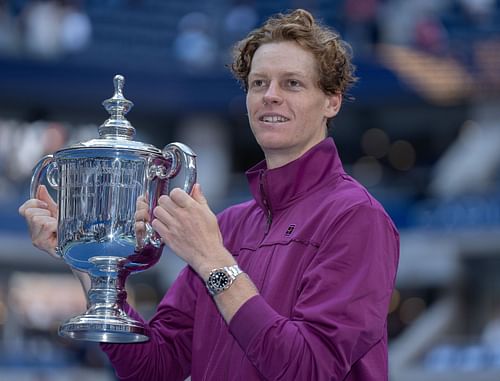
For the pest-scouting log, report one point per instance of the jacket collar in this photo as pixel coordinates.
(275, 189)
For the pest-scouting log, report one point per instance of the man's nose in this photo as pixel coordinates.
(273, 94)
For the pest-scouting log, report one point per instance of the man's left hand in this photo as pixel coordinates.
(190, 228)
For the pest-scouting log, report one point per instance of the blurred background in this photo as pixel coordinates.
(422, 133)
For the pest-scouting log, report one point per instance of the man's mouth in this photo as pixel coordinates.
(273, 119)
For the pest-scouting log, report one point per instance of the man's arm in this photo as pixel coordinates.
(167, 355)
(190, 229)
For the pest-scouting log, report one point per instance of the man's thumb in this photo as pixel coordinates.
(197, 194)
(43, 195)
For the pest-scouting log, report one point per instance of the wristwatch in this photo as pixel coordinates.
(221, 279)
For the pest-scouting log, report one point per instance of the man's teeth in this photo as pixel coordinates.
(274, 119)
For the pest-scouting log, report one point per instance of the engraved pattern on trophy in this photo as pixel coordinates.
(97, 207)
(98, 184)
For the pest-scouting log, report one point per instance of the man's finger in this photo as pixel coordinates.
(32, 204)
(43, 195)
(169, 205)
(180, 198)
(141, 203)
(141, 215)
(162, 215)
(198, 195)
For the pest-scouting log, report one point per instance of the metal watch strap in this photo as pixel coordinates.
(233, 270)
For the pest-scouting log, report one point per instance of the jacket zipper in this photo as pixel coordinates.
(266, 203)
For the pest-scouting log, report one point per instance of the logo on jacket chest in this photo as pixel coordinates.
(290, 230)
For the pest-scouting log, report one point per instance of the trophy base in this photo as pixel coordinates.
(104, 329)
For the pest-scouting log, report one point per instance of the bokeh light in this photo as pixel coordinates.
(375, 142)
(368, 171)
(411, 308)
(402, 155)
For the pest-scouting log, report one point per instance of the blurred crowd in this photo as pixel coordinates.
(201, 33)
(23, 143)
(43, 28)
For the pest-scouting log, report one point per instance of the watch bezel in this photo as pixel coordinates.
(221, 279)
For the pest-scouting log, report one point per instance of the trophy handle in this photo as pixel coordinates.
(182, 157)
(40, 170)
(151, 237)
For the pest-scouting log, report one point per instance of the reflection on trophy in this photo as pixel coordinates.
(107, 189)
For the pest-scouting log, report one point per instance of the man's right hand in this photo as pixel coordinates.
(41, 215)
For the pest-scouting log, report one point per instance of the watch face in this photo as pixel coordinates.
(218, 280)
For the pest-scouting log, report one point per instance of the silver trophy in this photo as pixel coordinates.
(98, 185)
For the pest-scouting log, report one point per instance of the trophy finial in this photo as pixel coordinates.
(117, 126)
(119, 82)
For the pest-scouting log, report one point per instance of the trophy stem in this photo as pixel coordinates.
(105, 320)
(106, 295)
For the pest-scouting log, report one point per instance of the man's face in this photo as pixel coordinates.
(286, 108)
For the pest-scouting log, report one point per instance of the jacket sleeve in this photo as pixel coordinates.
(341, 309)
(167, 355)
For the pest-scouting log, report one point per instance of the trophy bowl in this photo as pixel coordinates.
(100, 185)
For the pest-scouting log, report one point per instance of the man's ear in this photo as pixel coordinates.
(333, 105)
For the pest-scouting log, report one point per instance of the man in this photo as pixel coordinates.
(294, 284)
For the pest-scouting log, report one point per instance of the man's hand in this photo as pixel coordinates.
(188, 226)
(41, 215)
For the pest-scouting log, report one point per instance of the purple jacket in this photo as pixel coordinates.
(323, 255)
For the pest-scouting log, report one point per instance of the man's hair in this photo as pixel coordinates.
(333, 55)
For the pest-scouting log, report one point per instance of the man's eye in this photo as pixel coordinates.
(257, 83)
(293, 83)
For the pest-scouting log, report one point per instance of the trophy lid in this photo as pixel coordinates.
(117, 132)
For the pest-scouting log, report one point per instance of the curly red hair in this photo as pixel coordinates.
(333, 55)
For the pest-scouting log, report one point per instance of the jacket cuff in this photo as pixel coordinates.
(251, 319)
